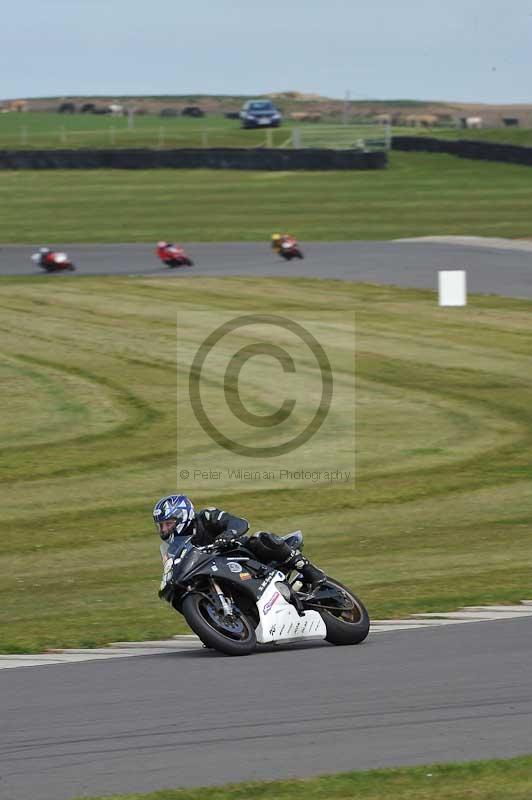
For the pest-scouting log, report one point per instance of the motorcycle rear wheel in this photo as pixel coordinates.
(232, 636)
(346, 627)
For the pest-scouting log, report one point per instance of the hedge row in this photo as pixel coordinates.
(466, 148)
(215, 158)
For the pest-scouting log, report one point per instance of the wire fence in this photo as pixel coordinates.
(364, 137)
(119, 137)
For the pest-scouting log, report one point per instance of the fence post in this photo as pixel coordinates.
(204, 139)
(296, 139)
(161, 137)
(269, 138)
(388, 135)
(62, 135)
(112, 135)
(23, 135)
(345, 109)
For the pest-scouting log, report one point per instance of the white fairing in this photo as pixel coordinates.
(280, 621)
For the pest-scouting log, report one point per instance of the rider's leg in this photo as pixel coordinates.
(269, 547)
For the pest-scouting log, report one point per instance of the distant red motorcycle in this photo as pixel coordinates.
(288, 248)
(52, 261)
(173, 255)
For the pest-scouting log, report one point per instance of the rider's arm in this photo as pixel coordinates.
(215, 522)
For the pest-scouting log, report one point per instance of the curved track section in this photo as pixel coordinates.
(198, 718)
(490, 270)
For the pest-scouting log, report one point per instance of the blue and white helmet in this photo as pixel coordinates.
(176, 507)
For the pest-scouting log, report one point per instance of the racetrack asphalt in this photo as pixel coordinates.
(198, 718)
(490, 269)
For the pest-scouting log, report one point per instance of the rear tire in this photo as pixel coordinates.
(200, 614)
(341, 629)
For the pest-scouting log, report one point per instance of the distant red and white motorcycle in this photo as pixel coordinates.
(288, 247)
(52, 261)
(173, 255)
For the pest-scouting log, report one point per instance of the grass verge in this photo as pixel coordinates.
(419, 194)
(440, 514)
(480, 780)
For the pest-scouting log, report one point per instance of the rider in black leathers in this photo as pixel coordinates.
(175, 515)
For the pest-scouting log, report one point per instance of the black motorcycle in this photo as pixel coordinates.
(234, 602)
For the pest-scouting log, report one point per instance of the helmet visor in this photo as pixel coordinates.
(171, 525)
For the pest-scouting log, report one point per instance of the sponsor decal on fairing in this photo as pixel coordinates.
(268, 606)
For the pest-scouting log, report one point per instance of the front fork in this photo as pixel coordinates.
(225, 602)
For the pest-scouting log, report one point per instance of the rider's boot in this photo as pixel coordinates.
(269, 547)
(312, 576)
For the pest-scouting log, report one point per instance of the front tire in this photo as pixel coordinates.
(234, 637)
(346, 627)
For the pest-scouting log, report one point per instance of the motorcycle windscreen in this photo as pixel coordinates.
(174, 547)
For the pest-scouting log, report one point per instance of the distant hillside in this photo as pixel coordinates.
(292, 101)
(219, 104)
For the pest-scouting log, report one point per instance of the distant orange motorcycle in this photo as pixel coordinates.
(286, 246)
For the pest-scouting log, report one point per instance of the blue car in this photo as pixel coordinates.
(260, 114)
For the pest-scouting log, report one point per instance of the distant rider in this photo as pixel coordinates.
(276, 242)
(174, 515)
(42, 255)
(162, 248)
(278, 239)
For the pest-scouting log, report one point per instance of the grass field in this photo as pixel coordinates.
(481, 780)
(42, 130)
(439, 516)
(419, 194)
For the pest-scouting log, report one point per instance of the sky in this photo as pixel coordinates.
(449, 50)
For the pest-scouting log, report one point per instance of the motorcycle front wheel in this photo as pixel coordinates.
(349, 622)
(233, 635)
